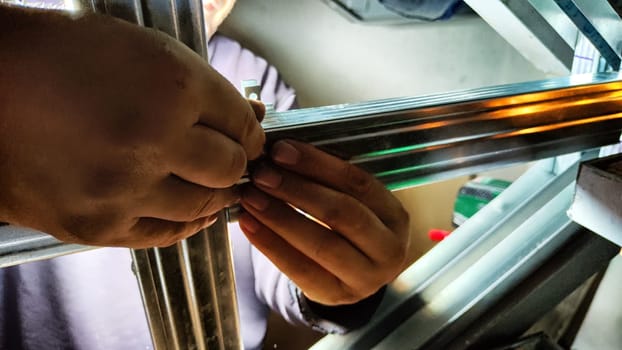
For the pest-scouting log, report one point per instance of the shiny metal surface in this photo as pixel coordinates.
(600, 23)
(537, 29)
(20, 245)
(187, 289)
(130, 11)
(410, 141)
(567, 268)
(494, 274)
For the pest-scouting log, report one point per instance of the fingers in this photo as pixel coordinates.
(341, 212)
(259, 109)
(175, 199)
(233, 116)
(361, 236)
(208, 158)
(341, 176)
(331, 251)
(318, 284)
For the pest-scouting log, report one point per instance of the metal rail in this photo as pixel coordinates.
(411, 141)
(537, 29)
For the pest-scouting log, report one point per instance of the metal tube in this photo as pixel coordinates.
(445, 134)
(409, 141)
(600, 23)
(189, 292)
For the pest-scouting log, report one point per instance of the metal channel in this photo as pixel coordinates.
(482, 284)
(600, 23)
(583, 255)
(409, 141)
(537, 29)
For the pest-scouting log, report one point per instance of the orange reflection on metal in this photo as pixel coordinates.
(543, 128)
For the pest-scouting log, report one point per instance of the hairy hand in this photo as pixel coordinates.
(113, 134)
(354, 237)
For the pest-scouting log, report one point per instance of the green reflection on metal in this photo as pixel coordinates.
(386, 152)
(401, 170)
(400, 185)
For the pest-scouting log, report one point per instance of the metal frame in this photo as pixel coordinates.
(598, 22)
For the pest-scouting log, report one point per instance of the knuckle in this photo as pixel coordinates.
(253, 136)
(357, 182)
(333, 214)
(403, 219)
(204, 205)
(350, 295)
(323, 247)
(394, 260)
(236, 167)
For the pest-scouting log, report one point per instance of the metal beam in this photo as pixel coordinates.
(410, 141)
(600, 23)
(538, 31)
(413, 141)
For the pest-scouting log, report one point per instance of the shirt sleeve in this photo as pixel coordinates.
(277, 291)
(236, 64)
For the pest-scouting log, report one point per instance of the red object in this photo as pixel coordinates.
(438, 235)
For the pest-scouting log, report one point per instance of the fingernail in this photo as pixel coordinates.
(255, 199)
(236, 193)
(267, 176)
(249, 224)
(284, 152)
(211, 220)
(259, 108)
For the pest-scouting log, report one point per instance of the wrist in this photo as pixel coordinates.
(338, 319)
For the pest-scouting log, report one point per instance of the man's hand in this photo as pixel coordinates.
(113, 134)
(357, 241)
